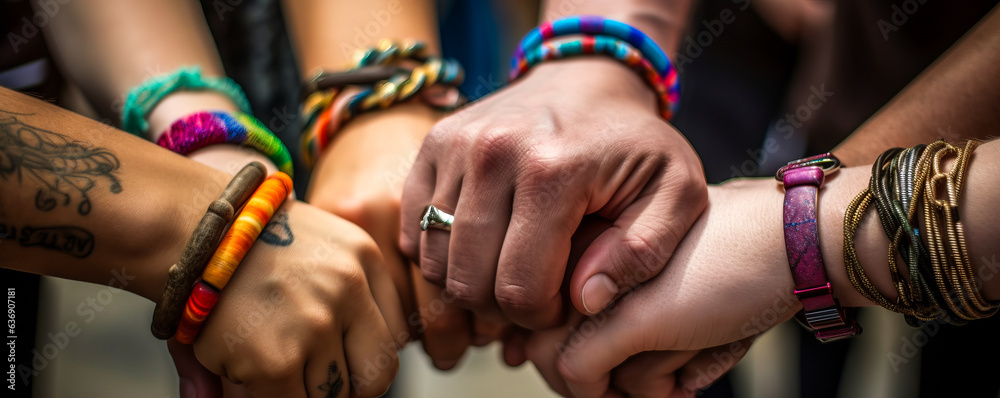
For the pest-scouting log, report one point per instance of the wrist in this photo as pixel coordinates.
(183, 103)
(175, 205)
(600, 77)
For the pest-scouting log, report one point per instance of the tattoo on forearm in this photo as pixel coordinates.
(60, 165)
(73, 241)
(277, 232)
(334, 383)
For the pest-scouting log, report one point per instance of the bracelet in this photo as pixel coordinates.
(201, 129)
(941, 282)
(144, 97)
(234, 246)
(331, 99)
(616, 39)
(607, 45)
(596, 25)
(186, 271)
(821, 312)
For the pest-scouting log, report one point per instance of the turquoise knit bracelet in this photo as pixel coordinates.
(144, 97)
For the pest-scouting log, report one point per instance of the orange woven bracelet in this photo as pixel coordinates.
(235, 245)
(255, 215)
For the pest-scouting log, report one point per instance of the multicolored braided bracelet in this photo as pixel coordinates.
(324, 111)
(257, 212)
(596, 25)
(606, 45)
(143, 98)
(201, 129)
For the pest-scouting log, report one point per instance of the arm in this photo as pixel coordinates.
(106, 48)
(83, 201)
(729, 280)
(360, 175)
(954, 98)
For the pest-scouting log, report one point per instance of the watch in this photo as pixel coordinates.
(821, 312)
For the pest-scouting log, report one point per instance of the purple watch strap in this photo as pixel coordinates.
(801, 232)
(822, 312)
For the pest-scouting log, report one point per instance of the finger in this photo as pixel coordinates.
(387, 299)
(604, 341)
(443, 325)
(477, 235)
(287, 383)
(639, 244)
(327, 375)
(711, 364)
(434, 242)
(230, 390)
(486, 331)
(543, 348)
(195, 379)
(371, 352)
(651, 373)
(534, 256)
(515, 344)
(417, 192)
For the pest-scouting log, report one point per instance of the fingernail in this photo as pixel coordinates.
(598, 291)
(187, 389)
(445, 364)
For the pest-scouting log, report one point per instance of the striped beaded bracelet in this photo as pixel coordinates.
(234, 246)
(607, 45)
(183, 274)
(596, 25)
(201, 129)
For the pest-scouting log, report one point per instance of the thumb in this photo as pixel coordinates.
(195, 380)
(635, 248)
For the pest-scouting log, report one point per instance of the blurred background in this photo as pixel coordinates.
(738, 83)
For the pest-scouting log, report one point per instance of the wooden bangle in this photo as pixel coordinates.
(182, 275)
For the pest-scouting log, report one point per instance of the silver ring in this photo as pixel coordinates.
(435, 218)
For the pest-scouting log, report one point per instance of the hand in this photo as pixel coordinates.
(303, 314)
(727, 282)
(520, 169)
(360, 177)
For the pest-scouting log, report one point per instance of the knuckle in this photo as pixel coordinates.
(467, 295)
(433, 270)
(494, 149)
(515, 299)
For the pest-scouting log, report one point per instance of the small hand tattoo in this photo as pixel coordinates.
(278, 232)
(334, 383)
(60, 165)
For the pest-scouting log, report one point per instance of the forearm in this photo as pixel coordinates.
(326, 34)
(955, 98)
(84, 201)
(108, 48)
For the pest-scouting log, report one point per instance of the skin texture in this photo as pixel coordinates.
(501, 177)
(360, 175)
(161, 198)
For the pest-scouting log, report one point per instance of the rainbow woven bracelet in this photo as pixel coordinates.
(606, 45)
(143, 98)
(201, 129)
